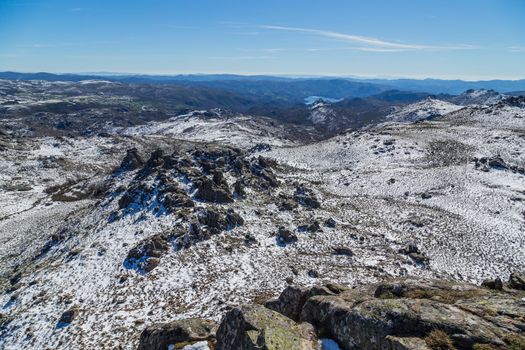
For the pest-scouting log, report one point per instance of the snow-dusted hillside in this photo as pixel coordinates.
(321, 113)
(201, 212)
(217, 126)
(427, 109)
(481, 97)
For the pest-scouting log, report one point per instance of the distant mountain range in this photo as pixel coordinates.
(286, 89)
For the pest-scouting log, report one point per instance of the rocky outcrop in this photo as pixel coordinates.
(166, 184)
(177, 334)
(403, 314)
(195, 183)
(364, 318)
(256, 327)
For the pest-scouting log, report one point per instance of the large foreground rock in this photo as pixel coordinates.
(177, 334)
(256, 327)
(402, 314)
(368, 317)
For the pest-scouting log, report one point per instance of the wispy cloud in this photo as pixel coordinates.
(322, 49)
(517, 49)
(234, 25)
(241, 58)
(174, 26)
(369, 43)
(48, 46)
(252, 33)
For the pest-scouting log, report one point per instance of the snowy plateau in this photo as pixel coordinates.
(107, 233)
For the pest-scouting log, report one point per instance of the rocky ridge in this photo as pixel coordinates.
(407, 314)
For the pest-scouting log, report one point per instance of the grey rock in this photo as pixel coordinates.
(517, 281)
(177, 333)
(255, 327)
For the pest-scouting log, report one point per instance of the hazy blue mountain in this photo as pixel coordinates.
(288, 89)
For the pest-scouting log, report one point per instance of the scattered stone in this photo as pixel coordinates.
(312, 228)
(177, 334)
(312, 274)
(286, 204)
(249, 239)
(261, 147)
(306, 197)
(415, 254)
(426, 195)
(495, 284)
(343, 251)
(67, 317)
(285, 236)
(331, 223)
(517, 281)
(4, 321)
(497, 163)
(238, 189)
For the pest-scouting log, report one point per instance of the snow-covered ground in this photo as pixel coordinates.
(423, 110)
(385, 187)
(240, 131)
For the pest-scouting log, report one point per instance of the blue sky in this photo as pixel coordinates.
(469, 39)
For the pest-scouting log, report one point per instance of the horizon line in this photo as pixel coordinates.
(276, 75)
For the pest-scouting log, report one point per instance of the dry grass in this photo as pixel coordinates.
(439, 340)
(483, 347)
(515, 342)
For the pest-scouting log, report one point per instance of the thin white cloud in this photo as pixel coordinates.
(46, 45)
(517, 49)
(252, 33)
(371, 44)
(241, 58)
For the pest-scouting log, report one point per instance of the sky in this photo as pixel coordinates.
(448, 39)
